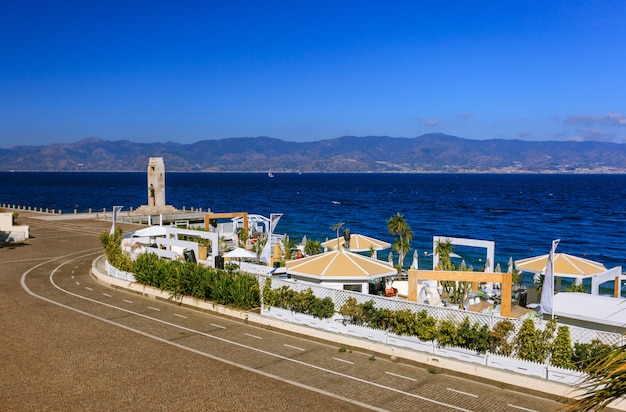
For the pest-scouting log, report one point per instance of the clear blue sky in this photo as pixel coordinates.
(311, 70)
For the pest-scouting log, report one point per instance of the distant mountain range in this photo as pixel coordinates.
(427, 153)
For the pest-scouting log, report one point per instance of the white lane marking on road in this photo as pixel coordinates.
(217, 326)
(157, 309)
(107, 295)
(343, 360)
(253, 336)
(127, 301)
(180, 316)
(88, 288)
(220, 359)
(400, 376)
(295, 347)
(462, 393)
(521, 408)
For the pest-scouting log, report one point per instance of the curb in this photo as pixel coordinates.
(501, 379)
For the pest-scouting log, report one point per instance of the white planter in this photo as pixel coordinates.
(566, 376)
(277, 313)
(309, 320)
(336, 326)
(463, 354)
(367, 333)
(517, 365)
(410, 342)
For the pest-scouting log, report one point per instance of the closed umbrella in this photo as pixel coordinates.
(415, 262)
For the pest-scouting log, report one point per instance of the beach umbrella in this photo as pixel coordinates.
(303, 240)
(358, 243)
(240, 253)
(152, 231)
(415, 262)
(390, 258)
(498, 269)
(510, 268)
(565, 265)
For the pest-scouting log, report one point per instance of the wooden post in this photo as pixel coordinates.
(463, 276)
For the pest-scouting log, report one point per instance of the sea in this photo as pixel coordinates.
(522, 213)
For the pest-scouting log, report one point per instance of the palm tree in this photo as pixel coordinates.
(288, 246)
(398, 227)
(312, 247)
(336, 227)
(443, 249)
(604, 383)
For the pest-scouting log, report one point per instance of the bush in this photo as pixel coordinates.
(112, 244)
(300, 302)
(585, 354)
(499, 338)
(234, 289)
(561, 351)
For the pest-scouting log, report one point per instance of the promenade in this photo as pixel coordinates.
(73, 342)
(59, 359)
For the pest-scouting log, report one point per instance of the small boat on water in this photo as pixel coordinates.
(270, 173)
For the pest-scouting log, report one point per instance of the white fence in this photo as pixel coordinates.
(339, 297)
(337, 325)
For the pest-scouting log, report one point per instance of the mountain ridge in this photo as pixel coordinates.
(429, 153)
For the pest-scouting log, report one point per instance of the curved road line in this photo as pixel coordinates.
(238, 365)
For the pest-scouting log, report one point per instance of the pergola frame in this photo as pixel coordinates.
(506, 279)
(209, 216)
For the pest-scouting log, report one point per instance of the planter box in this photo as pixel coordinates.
(463, 354)
(309, 320)
(277, 313)
(410, 342)
(566, 376)
(517, 365)
(336, 326)
(367, 333)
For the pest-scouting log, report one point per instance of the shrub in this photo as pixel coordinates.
(447, 333)
(112, 244)
(532, 344)
(585, 354)
(561, 351)
(499, 338)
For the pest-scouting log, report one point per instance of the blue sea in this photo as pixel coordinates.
(521, 213)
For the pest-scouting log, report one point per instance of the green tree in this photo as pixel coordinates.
(312, 247)
(444, 249)
(398, 227)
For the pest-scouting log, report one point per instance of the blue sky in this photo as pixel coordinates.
(311, 70)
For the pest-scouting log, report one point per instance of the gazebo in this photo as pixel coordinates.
(358, 243)
(339, 269)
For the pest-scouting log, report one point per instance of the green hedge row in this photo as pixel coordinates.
(226, 287)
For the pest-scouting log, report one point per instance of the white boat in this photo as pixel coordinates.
(270, 173)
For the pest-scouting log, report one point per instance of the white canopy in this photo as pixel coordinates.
(151, 231)
(240, 253)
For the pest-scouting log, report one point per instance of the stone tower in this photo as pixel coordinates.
(156, 190)
(156, 182)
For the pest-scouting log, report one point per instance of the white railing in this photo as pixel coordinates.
(119, 274)
(339, 297)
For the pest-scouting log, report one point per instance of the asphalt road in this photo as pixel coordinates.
(71, 343)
